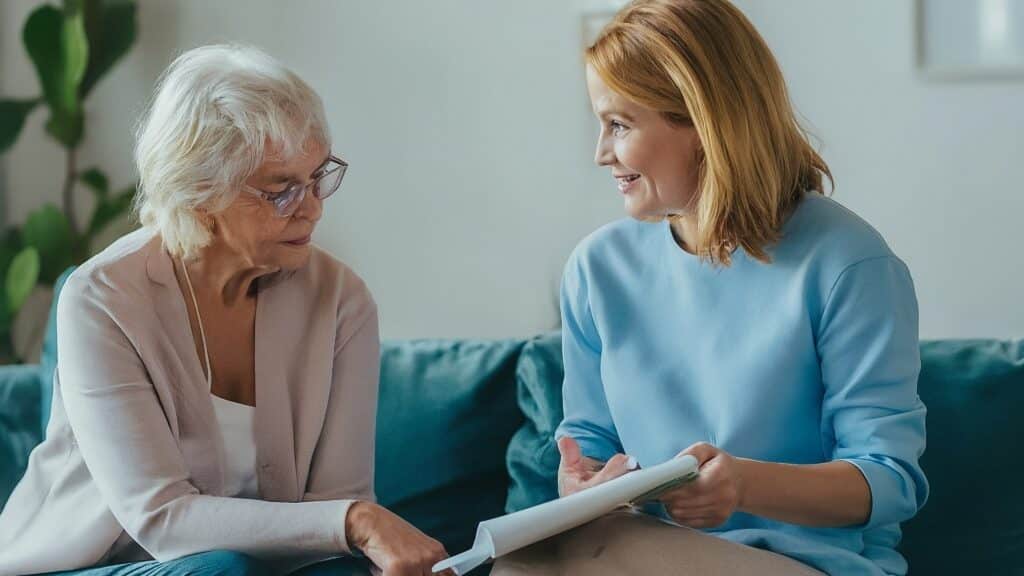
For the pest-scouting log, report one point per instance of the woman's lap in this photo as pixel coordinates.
(220, 563)
(633, 543)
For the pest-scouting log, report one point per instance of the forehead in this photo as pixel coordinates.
(604, 100)
(312, 156)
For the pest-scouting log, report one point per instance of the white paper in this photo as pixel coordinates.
(505, 534)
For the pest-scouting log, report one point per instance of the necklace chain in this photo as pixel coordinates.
(202, 332)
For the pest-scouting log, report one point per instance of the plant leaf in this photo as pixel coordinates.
(10, 245)
(41, 36)
(109, 209)
(48, 231)
(12, 119)
(97, 181)
(111, 30)
(22, 276)
(56, 42)
(75, 48)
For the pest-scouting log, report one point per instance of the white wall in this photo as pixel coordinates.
(470, 139)
(936, 167)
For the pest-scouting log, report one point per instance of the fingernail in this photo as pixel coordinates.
(631, 463)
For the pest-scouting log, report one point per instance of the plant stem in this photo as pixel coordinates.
(70, 175)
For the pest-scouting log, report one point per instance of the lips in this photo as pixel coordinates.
(299, 241)
(626, 181)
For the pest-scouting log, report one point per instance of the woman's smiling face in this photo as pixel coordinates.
(655, 161)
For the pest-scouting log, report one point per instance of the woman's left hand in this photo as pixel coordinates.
(716, 493)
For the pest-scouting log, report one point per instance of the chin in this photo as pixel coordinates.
(642, 213)
(293, 258)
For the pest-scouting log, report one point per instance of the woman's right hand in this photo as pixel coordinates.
(394, 546)
(577, 472)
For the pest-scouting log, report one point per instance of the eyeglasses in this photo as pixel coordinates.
(326, 181)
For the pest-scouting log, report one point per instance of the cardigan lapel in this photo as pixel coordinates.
(193, 413)
(275, 433)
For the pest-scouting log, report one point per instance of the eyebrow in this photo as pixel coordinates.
(608, 113)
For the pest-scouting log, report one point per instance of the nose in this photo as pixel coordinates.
(604, 155)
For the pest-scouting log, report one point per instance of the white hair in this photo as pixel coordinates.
(217, 113)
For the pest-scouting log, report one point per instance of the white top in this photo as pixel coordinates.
(238, 431)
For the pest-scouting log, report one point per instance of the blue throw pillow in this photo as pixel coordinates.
(446, 412)
(973, 522)
(532, 454)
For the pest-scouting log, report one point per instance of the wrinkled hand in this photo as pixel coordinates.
(710, 499)
(395, 547)
(577, 472)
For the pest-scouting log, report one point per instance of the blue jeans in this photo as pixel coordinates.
(220, 563)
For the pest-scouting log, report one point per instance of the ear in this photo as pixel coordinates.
(206, 220)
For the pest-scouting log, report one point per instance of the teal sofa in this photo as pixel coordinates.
(465, 433)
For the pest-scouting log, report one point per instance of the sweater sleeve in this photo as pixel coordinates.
(587, 418)
(870, 360)
(135, 462)
(351, 409)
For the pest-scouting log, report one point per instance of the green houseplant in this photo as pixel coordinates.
(72, 46)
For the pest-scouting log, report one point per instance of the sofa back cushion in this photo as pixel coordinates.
(973, 522)
(446, 412)
(19, 423)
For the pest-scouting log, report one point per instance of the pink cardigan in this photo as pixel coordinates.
(131, 467)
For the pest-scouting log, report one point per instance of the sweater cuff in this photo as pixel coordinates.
(341, 535)
(596, 449)
(892, 494)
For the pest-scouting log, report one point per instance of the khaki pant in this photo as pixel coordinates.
(625, 542)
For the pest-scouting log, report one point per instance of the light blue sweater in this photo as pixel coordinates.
(809, 359)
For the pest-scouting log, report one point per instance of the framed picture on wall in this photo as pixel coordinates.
(970, 39)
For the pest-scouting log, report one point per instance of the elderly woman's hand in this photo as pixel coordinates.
(394, 546)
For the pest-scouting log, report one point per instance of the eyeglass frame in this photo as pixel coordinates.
(271, 196)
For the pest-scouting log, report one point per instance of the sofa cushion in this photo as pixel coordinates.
(973, 522)
(446, 412)
(19, 422)
(532, 457)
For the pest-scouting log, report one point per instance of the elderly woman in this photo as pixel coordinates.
(217, 374)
